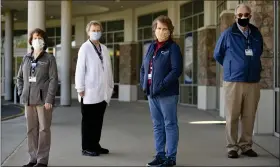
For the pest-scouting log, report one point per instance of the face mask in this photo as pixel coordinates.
(38, 44)
(162, 35)
(95, 35)
(243, 22)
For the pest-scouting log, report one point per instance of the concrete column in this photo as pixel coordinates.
(174, 15)
(129, 55)
(36, 16)
(66, 31)
(128, 61)
(8, 53)
(80, 30)
(206, 98)
(263, 12)
(130, 27)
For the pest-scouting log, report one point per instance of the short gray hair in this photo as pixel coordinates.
(93, 22)
(243, 5)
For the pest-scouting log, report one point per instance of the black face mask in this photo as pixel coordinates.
(243, 22)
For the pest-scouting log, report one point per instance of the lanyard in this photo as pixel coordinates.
(99, 53)
(34, 62)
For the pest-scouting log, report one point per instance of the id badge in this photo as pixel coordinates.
(149, 76)
(249, 52)
(32, 79)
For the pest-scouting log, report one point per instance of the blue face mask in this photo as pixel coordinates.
(95, 35)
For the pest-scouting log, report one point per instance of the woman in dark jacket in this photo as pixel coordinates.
(159, 78)
(37, 83)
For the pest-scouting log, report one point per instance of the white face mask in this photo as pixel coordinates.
(95, 35)
(38, 44)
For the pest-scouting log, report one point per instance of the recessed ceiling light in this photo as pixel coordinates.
(121, 6)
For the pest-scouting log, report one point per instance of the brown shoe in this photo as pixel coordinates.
(233, 154)
(30, 164)
(250, 153)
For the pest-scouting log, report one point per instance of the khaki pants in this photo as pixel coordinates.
(38, 133)
(241, 101)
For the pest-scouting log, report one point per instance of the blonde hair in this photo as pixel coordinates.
(95, 23)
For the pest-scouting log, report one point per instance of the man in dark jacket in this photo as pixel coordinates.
(239, 51)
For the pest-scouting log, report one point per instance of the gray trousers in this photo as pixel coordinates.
(38, 133)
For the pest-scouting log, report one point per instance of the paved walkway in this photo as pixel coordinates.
(129, 136)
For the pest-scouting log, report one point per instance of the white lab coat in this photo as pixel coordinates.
(90, 77)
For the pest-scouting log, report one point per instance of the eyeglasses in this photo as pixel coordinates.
(240, 15)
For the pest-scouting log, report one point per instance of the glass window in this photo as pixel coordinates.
(115, 25)
(104, 27)
(110, 37)
(201, 20)
(155, 15)
(148, 33)
(103, 38)
(73, 30)
(119, 37)
(186, 93)
(191, 18)
(51, 42)
(186, 10)
(195, 22)
(140, 34)
(182, 26)
(145, 20)
(57, 31)
(50, 32)
(116, 62)
(19, 32)
(198, 6)
(113, 34)
(188, 25)
(57, 41)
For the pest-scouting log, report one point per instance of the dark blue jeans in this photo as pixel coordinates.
(165, 123)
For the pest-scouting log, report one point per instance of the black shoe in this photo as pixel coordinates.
(89, 153)
(168, 163)
(103, 151)
(233, 154)
(156, 162)
(40, 165)
(250, 153)
(30, 164)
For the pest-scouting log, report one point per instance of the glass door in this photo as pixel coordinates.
(277, 67)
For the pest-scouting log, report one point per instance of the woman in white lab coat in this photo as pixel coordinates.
(94, 84)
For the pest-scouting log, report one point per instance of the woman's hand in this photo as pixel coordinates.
(48, 106)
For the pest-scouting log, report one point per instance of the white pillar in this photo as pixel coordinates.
(36, 16)
(210, 13)
(66, 33)
(8, 53)
(174, 15)
(130, 27)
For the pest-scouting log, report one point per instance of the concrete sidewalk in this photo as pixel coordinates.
(128, 133)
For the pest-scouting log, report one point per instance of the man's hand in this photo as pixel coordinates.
(82, 94)
(48, 106)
